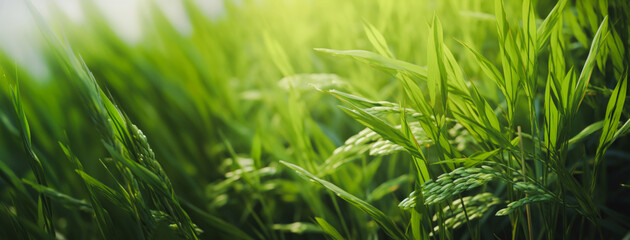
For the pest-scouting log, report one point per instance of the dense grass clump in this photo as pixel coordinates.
(355, 119)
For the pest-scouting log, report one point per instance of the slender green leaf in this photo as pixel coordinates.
(386, 223)
(379, 61)
(329, 229)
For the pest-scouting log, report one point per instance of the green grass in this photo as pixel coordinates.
(324, 119)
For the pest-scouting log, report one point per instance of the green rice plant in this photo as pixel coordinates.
(459, 119)
(519, 84)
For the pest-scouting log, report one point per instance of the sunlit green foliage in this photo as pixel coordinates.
(286, 119)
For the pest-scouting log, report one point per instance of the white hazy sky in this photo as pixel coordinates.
(19, 36)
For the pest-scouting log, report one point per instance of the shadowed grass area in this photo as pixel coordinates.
(283, 119)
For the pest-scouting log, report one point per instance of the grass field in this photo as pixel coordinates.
(298, 119)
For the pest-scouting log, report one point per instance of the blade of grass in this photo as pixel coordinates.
(383, 221)
(611, 121)
(381, 62)
(545, 29)
(63, 199)
(329, 229)
(34, 162)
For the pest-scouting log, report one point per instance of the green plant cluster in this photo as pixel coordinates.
(286, 119)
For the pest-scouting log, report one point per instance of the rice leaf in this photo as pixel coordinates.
(587, 131)
(436, 75)
(329, 229)
(383, 221)
(218, 223)
(531, 40)
(111, 195)
(381, 62)
(9, 178)
(298, 228)
(487, 67)
(623, 130)
(278, 55)
(472, 160)
(34, 162)
(387, 187)
(382, 128)
(611, 121)
(377, 40)
(547, 26)
(359, 101)
(61, 198)
(587, 70)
